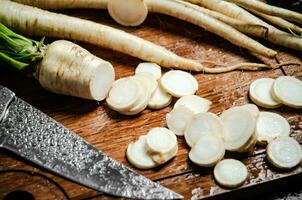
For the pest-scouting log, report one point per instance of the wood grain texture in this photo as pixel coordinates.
(200, 183)
(292, 70)
(39, 186)
(112, 132)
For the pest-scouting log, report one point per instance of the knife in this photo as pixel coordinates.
(31, 134)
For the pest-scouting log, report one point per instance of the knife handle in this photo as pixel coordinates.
(6, 97)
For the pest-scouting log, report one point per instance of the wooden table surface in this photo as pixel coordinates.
(111, 132)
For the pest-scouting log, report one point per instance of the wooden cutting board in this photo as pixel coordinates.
(111, 132)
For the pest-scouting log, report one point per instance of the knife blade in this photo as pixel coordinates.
(31, 134)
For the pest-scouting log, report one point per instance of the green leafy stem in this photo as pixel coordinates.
(18, 51)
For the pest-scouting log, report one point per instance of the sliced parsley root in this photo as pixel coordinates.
(61, 67)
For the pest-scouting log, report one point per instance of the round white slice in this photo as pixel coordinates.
(140, 105)
(230, 173)
(239, 126)
(128, 13)
(161, 158)
(159, 99)
(284, 152)
(269, 126)
(178, 119)
(138, 156)
(202, 124)
(249, 145)
(142, 101)
(149, 80)
(101, 80)
(179, 83)
(161, 140)
(260, 93)
(288, 90)
(123, 94)
(195, 103)
(207, 151)
(151, 68)
(252, 108)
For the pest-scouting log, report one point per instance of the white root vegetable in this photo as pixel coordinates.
(137, 154)
(140, 154)
(239, 128)
(269, 126)
(273, 35)
(61, 67)
(249, 146)
(161, 140)
(142, 101)
(252, 108)
(207, 151)
(203, 124)
(195, 103)
(131, 13)
(159, 99)
(260, 93)
(34, 21)
(271, 10)
(178, 119)
(161, 158)
(124, 94)
(288, 90)
(288, 26)
(68, 69)
(131, 95)
(148, 80)
(151, 68)
(162, 56)
(284, 152)
(181, 10)
(247, 28)
(179, 83)
(65, 4)
(128, 13)
(230, 173)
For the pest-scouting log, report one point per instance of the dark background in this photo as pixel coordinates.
(295, 5)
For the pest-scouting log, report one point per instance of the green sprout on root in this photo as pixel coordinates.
(19, 51)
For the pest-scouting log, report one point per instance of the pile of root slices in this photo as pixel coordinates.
(209, 136)
(148, 88)
(272, 93)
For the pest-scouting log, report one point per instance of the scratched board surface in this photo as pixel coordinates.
(112, 132)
